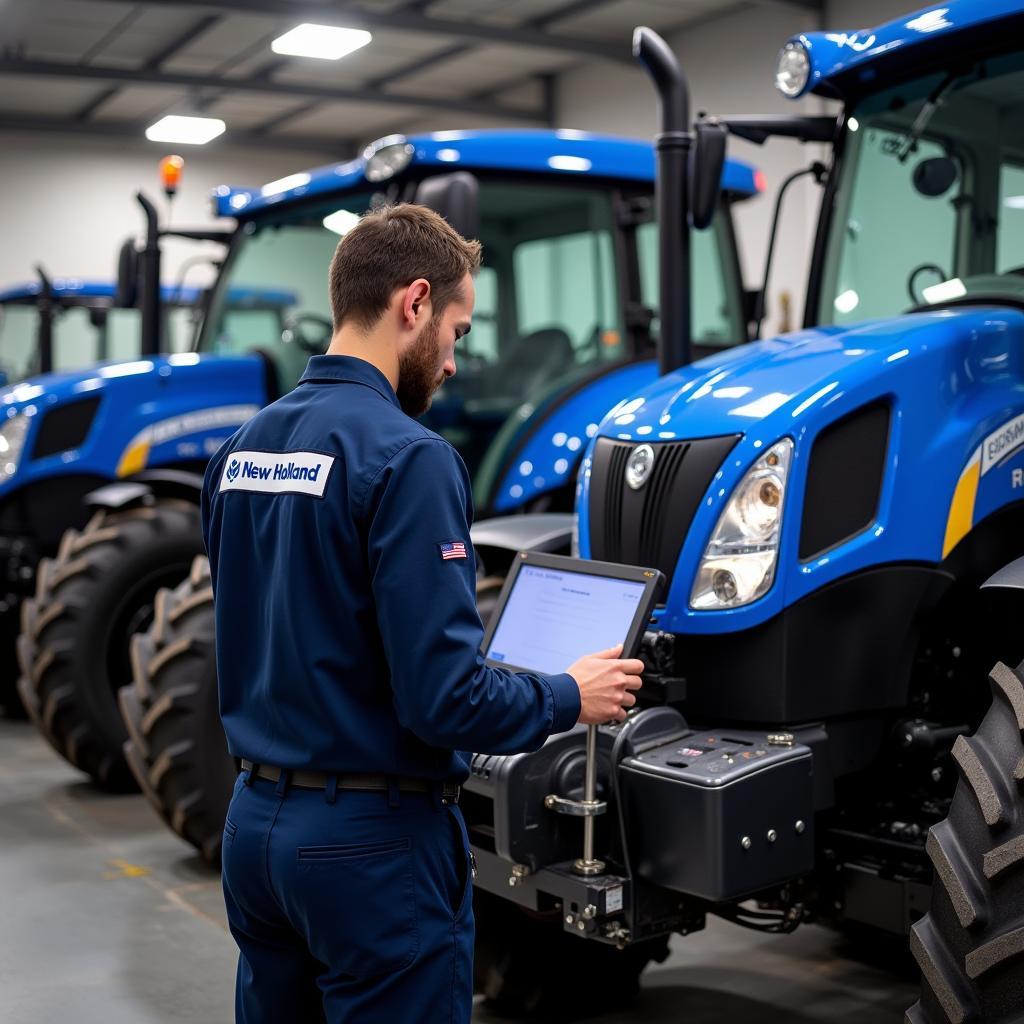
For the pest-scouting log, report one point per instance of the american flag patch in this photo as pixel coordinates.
(452, 549)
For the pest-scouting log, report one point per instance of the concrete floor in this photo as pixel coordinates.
(106, 917)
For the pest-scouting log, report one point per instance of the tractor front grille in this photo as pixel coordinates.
(647, 527)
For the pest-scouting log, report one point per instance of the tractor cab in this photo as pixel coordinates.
(566, 295)
(938, 151)
(66, 323)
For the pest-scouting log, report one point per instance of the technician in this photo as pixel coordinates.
(348, 656)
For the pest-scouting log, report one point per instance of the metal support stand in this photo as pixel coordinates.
(587, 864)
(588, 808)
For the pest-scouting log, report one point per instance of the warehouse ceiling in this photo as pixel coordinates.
(113, 67)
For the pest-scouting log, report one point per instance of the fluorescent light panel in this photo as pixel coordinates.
(341, 222)
(195, 131)
(325, 42)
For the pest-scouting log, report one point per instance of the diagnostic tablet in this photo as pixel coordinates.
(553, 610)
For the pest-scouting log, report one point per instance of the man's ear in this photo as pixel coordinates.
(416, 301)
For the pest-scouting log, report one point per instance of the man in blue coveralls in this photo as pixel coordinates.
(348, 657)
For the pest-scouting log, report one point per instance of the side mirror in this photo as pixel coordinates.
(935, 176)
(707, 160)
(310, 332)
(456, 197)
(754, 310)
(127, 275)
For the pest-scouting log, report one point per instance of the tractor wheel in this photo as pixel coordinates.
(526, 964)
(90, 599)
(970, 945)
(176, 747)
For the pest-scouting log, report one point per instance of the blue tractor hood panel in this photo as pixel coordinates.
(846, 61)
(164, 411)
(954, 382)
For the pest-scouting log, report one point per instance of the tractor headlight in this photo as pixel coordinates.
(739, 563)
(792, 69)
(387, 157)
(12, 440)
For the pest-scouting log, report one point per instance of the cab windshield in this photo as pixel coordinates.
(930, 205)
(18, 326)
(83, 335)
(550, 308)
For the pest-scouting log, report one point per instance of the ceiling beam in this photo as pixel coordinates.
(108, 37)
(460, 49)
(176, 45)
(284, 117)
(55, 69)
(343, 149)
(153, 63)
(406, 20)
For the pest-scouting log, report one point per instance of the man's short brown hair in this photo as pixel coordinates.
(390, 248)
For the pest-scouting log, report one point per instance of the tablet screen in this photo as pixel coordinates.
(554, 616)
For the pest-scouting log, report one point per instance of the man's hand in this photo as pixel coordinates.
(606, 682)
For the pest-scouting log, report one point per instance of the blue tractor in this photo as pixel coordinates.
(824, 506)
(564, 327)
(53, 326)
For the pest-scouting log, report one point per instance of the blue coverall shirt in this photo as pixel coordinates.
(347, 633)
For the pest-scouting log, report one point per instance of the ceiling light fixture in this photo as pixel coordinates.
(325, 42)
(190, 131)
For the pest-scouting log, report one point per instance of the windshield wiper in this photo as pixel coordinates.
(925, 114)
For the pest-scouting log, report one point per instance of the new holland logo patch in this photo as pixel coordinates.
(277, 472)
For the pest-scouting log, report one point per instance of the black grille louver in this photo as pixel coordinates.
(647, 527)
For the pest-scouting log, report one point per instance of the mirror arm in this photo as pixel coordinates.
(818, 170)
(814, 128)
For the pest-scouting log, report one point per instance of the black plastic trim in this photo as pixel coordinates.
(65, 427)
(844, 479)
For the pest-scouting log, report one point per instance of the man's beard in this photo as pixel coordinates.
(419, 371)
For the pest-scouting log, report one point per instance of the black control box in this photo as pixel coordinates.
(720, 815)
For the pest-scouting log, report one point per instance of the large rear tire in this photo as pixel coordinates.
(176, 747)
(527, 964)
(90, 599)
(970, 944)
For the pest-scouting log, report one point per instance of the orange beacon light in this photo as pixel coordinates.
(170, 173)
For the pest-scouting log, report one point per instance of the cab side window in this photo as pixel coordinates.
(1010, 232)
(716, 323)
(566, 285)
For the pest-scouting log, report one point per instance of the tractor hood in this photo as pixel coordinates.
(933, 384)
(115, 419)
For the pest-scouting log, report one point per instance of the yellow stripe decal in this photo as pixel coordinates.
(134, 459)
(961, 510)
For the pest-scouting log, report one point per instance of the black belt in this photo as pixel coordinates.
(304, 779)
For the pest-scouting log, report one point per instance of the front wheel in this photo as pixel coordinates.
(970, 944)
(89, 600)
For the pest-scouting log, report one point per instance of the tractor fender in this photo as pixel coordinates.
(1010, 577)
(497, 540)
(145, 486)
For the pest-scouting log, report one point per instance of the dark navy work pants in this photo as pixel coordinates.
(356, 910)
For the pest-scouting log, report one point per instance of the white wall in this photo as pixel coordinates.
(729, 61)
(68, 201)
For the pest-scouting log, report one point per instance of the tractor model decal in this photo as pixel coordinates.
(136, 453)
(998, 448)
